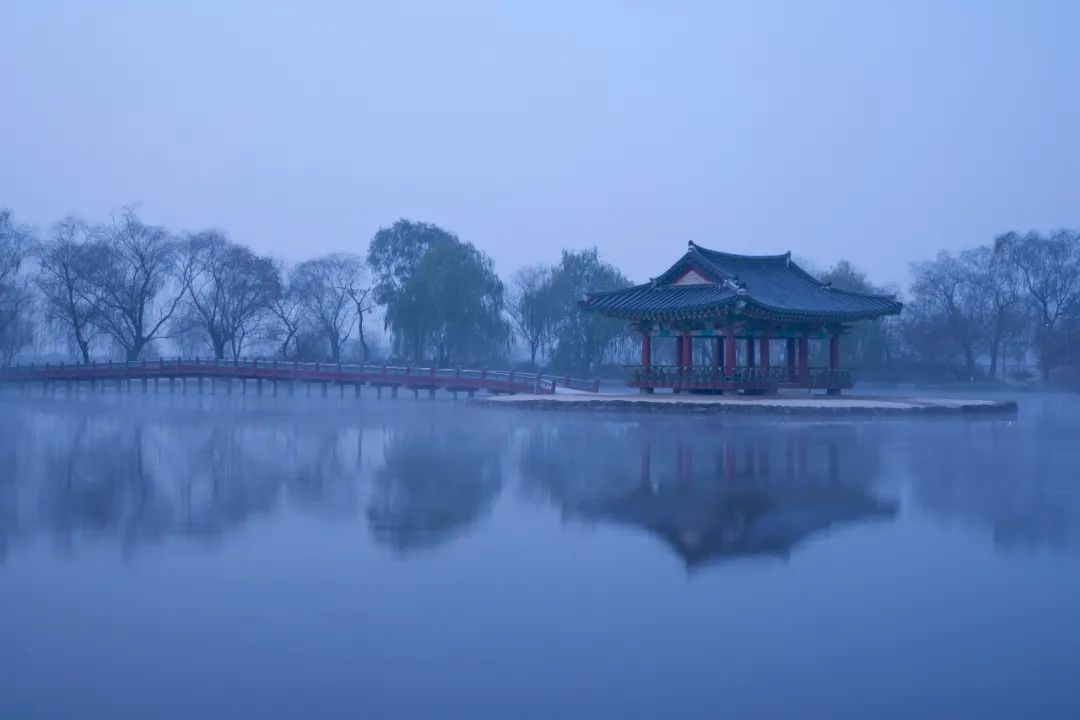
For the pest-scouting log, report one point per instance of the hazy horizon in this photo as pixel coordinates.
(872, 132)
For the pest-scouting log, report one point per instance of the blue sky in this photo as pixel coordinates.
(874, 131)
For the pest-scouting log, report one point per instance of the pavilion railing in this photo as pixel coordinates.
(751, 378)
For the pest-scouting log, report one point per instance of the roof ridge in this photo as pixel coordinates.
(782, 257)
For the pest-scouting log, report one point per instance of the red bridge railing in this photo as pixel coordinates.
(392, 376)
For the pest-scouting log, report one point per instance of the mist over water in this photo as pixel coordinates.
(241, 556)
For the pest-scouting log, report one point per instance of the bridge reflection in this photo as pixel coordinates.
(747, 490)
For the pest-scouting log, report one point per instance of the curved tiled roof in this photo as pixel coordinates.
(655, 303)
(773, 284)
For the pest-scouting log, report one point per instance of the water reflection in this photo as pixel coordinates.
(84, 472)
(417, 476)
(436, 481)
(1015, 482)
(741, 491)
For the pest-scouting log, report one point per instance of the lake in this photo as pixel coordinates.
(241, 557)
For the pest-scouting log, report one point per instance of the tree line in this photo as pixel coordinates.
(1008, 308)
(129, 289)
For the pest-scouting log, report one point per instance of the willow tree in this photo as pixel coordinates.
(444, 300)
(582, 341)
(16, 298)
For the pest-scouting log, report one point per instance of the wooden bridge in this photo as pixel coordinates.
(100, 376)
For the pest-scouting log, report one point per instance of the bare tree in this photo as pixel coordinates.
(230, 289)
(135, 284)
(325, 286)
(287, 310)
(996, 293)
(186, 332)
(945, 287)
(16, 296)
(65, 265)
(530, 307)
(1049, 271)
(363, 298)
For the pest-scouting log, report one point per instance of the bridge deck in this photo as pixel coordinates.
(379, 376)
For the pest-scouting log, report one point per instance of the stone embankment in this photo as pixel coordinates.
(803, 405)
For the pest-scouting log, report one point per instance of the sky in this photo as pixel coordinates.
(879, 132)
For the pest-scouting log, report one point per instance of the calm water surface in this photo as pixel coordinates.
(198, 557)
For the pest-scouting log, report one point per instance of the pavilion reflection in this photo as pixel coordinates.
(747, 491)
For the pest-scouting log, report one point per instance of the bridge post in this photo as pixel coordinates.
(356, 390)
(393, 391)
(378, 392)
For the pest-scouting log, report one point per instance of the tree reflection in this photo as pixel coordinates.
(749, 490)
(437, 481)
(77, 474)
(1014, 481)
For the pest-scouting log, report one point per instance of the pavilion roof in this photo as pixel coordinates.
(706, 282)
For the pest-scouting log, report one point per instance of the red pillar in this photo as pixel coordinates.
(688, 351)
(750, 362)
(729, 351)
(718, 350)
(834, 351)
(790, 356)
(646, 351)
(804, 360)
(765, 351)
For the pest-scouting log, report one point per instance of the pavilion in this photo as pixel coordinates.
(716, 302)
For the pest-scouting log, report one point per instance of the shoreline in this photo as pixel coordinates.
(807, 406)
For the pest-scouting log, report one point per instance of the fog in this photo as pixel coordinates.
(235, 236)
(876, 132)
(228, 555)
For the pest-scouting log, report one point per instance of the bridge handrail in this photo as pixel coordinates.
(497, 380)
